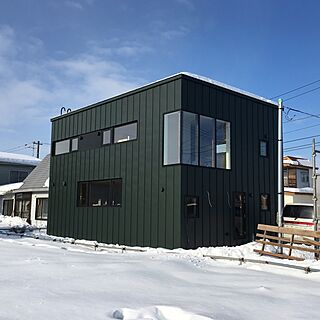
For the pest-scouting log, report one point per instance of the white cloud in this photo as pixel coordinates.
(33, 90)
(174, 33)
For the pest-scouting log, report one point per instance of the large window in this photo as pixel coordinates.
(101, 193)
(125, 133)
(190, 132)
(197, 140)
(171, 134)
(22, 207)
(17, 176)
(207, 141)
(223, 144)
(42, 209)
(7, 207)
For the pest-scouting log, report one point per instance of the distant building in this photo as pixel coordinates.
(183, 162)
(15, 167)
(297, 176)
(30, 200)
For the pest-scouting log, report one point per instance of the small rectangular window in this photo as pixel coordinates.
(74, 144)
(191, 205)
(263, 148)
(125, 133)
(42, 209)
(17, 176)
(223, 144)
(264, 201)
(90, 140)
(171, 138)
(62, 147)
(106, 138)
(7, 207)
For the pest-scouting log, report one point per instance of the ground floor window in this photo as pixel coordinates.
(22, 206)
(100, 193)
(42, 209)
(7, 207)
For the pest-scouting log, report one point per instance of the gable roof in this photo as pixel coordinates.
(37, 179)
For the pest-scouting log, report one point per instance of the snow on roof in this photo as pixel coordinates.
(226, 86)
(18, 158)
(296, 161)
(10, 187)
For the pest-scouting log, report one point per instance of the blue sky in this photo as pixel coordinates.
(75, 52)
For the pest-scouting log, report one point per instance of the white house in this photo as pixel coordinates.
(30, 200)
(297, 176)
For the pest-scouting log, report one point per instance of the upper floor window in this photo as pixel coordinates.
(62, 147)
(17, 176)
(74, 144)
(290, 177)
(125, 133)
(106, 137)
(197, 140)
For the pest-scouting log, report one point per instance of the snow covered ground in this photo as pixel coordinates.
(45, 279)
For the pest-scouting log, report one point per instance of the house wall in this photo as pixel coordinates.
(251, 121)
(150, 211)
(6, 168)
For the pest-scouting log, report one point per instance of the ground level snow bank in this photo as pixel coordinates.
(156, 313)
(10, 222)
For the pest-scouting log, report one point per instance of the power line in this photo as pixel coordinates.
(304, 138)
(285, 93)
(301, 94)
(303, 128)
(300, 147)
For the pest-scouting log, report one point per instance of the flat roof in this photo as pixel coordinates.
(177, 75)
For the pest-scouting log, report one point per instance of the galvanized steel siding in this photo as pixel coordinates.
(150, 212)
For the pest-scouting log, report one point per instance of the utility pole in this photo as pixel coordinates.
(314, 182)
(37, 144)
(280, 168)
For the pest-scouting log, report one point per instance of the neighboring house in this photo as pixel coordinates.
(297, 180)
(15, 167)
(30, 200)
(6, 189)
(183, 162)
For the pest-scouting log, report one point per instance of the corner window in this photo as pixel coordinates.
(223, 144)
(42, 209)
(190, 131)
(62, 147)
(171, 137)
(207, 141)
(106, 137)
(100, 193)
(264, 201)
(125, 133)
(263, 148)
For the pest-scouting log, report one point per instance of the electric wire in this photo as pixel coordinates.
(301, 94)
(303, 128)
(304, 138)
(301, 87)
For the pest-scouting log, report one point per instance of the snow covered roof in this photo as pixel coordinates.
(16, 158)
(226, 86)
(9, 187)
(296, 161)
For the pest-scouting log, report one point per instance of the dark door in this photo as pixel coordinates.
(240, 216)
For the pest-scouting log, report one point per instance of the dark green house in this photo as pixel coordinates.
(183, 162)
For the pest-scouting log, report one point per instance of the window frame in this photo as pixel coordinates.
(36, 211)
(114, 128)
(5, 201)
(198, 142)
(267, 148)
(89, 197)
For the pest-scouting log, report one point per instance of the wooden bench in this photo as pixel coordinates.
(288, 238)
